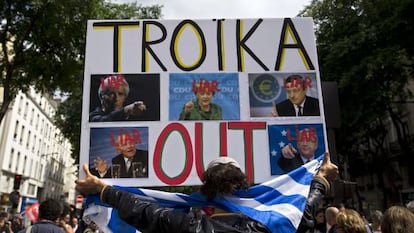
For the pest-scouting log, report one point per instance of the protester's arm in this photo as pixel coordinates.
(142, 215)
(319, 187)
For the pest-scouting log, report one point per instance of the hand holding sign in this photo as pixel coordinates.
(327, 169)
(91, 184)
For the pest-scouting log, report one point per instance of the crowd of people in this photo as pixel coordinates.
(222, 177)
(339, 219)
(54, 216)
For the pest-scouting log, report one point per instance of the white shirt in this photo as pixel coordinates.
(304, 160)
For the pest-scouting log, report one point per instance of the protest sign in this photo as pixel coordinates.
(174, 94)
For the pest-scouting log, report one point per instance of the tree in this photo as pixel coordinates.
(68, 116)
(40, 45)
(364, 45)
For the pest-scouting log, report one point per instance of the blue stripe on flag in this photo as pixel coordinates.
(278, 203)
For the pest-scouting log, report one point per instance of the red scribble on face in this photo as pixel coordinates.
(307, 142)
(205, 86)
(125, 138)
(305, 83)
(307, 135)
(113, 82)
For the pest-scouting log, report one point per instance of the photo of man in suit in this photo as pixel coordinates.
(130, 162)
(113, 92)
(129, 145)
(297, 102)
(307, 143)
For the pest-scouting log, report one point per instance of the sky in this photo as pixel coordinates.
(229, 9)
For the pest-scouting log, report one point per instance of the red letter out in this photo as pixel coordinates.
(198, 143)
(248, 128)
(159, 147)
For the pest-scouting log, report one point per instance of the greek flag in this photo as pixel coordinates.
(278, 203)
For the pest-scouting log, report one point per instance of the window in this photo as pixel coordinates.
(26, 108)
(32, 116)
(19, 110)
(35, 170)
(42, 126)
(34, 142)
(29, 134)
(37, 121)
(31, 189)
(24, 165)
(21, 135)
(11, 158)
(30, 167)
(39, 175)
(17, 162)
(15, 130)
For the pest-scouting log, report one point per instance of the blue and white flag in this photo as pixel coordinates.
(278, 203)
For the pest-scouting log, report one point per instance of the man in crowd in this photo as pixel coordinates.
(112, 93)
(222, 177)
(297, 102)
(49, 213)
(5, 225)
(330, 216)
(307, 143)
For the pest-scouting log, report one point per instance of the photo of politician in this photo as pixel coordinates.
(283, 95)
(291, 146)
(201, 106)
(119, 152)
(125, 97)
(206, 96)
(298, 103)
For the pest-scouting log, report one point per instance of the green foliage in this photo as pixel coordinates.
(365, 46)
(68, 117)
(42, 45)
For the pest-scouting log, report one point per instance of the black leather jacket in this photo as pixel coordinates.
(148, 217)
(318, 190)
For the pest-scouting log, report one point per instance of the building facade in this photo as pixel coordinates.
(35, 158)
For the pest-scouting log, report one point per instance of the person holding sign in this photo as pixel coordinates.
(307, 143)
(222, 177)
(202, 108)
(298, 103)
(112, 94)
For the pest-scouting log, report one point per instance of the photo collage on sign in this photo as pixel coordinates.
(136, 97)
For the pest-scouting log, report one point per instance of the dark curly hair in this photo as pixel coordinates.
(222, 179)
(50, 209)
